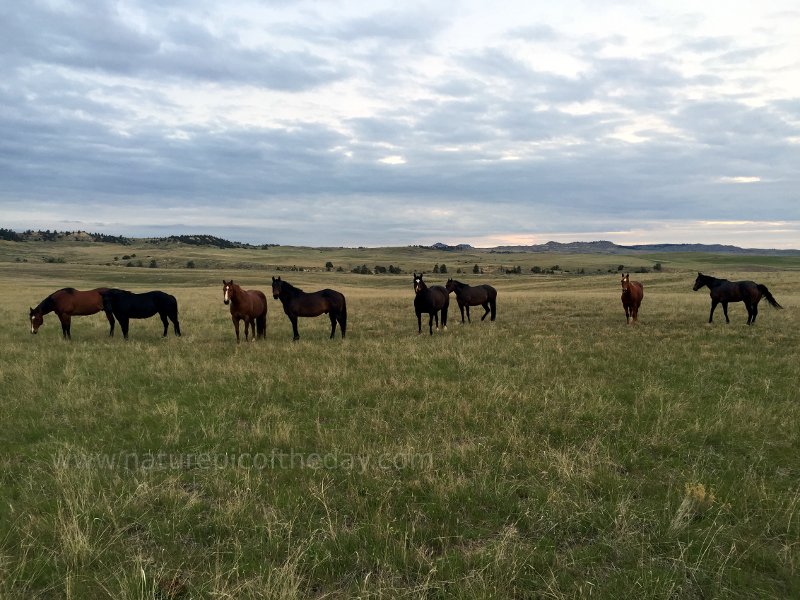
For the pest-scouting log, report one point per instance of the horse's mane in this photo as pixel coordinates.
(291, 289)
(47, 305)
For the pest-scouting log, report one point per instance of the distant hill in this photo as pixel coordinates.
(606, 247)
(83, 236)
(446, 247)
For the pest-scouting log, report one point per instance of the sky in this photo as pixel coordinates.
(385, 123)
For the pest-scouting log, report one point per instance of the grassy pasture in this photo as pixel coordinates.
(555, 453)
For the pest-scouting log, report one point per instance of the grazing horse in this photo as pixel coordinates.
(724, 291)
(632, 294)
(247, 305)
(479, 295)
(297, 303)
(126, 305)
(430, 300)
(69, 302)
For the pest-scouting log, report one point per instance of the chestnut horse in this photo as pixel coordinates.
(297, 303)
(724, 291)
(479, 295)
(430, 300)
(632, 294)
(247, 305)
(69, 302)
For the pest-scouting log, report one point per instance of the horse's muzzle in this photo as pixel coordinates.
(275, 296)
(226, 302)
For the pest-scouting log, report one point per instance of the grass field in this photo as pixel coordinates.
(556, 453)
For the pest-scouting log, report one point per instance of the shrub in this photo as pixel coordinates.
(442, 268)
(329, 266)
(190, 264)
(536, 270)
(476, 269)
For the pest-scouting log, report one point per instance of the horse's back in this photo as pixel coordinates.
(439, 296)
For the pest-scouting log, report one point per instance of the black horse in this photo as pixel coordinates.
(297, 303)
(430, 300)
(479, 295)
(724, 291)
(126, 305)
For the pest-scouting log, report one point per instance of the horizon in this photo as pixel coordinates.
(164, 235)
(369, 123)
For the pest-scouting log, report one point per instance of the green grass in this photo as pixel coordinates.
(555, 453)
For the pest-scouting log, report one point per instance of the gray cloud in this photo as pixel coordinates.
(483, 143)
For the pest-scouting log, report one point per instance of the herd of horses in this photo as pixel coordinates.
(251, 306)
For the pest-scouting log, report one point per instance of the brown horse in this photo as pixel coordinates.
(297, 303)
(632, 294)
(724, 291)
(247, 305)
(479, 295)
(69, 302)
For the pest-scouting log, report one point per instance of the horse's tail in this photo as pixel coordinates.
(343, 316)
(493, 305)
(765, 292)
(261, 325)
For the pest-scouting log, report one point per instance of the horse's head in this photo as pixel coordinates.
(626, 283)
(450, 285)
(37, 318)
(227, 291)
(277, 286)
(419, 285)
(699, 282)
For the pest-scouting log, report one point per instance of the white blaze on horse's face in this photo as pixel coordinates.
(226, 296)
(417, 285)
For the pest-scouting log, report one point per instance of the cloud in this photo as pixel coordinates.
(375, 122)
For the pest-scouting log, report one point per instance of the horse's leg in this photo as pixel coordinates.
(176, 326)
(444, 318)
(469, 320)
(165, 321)
(436, 319)
(627, 314)
(123, 324)
(419, 323)
(713, 306)
(486, 308)
(111, 322)
(461, 308)
(236, 327)
(635, 312)
(755, 312)
(430, 323)
(725, 310)
(332, 315)
(65, 323)
(294, 328)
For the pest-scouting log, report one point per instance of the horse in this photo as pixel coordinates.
(724, 291)
(632, 294)
(247, 305)
(430, 300)
(69, 302)
(126, 305)
(479, 295)
(297, 303)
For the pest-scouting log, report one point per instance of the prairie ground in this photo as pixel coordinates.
(554, 453)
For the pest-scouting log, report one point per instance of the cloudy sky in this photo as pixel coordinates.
(387, 123)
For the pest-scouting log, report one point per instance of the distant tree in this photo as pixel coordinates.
(380, 269)
(395, 270)
(435, 268)
(329, 266)
(339, 270)
(476, 269)
(442, 268)
(555, 268)
(642, 270)
(536, 270)
(657, 266)
(621, 268)
(190, 264)
(153, 264)
(459, 271)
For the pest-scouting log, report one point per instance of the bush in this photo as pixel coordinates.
(621, 268)
(190, 264)
(657, 267)
(476, 269)
(153, 264)
(442, 268)
(380, 269)
(536, 270)
(329, 266)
